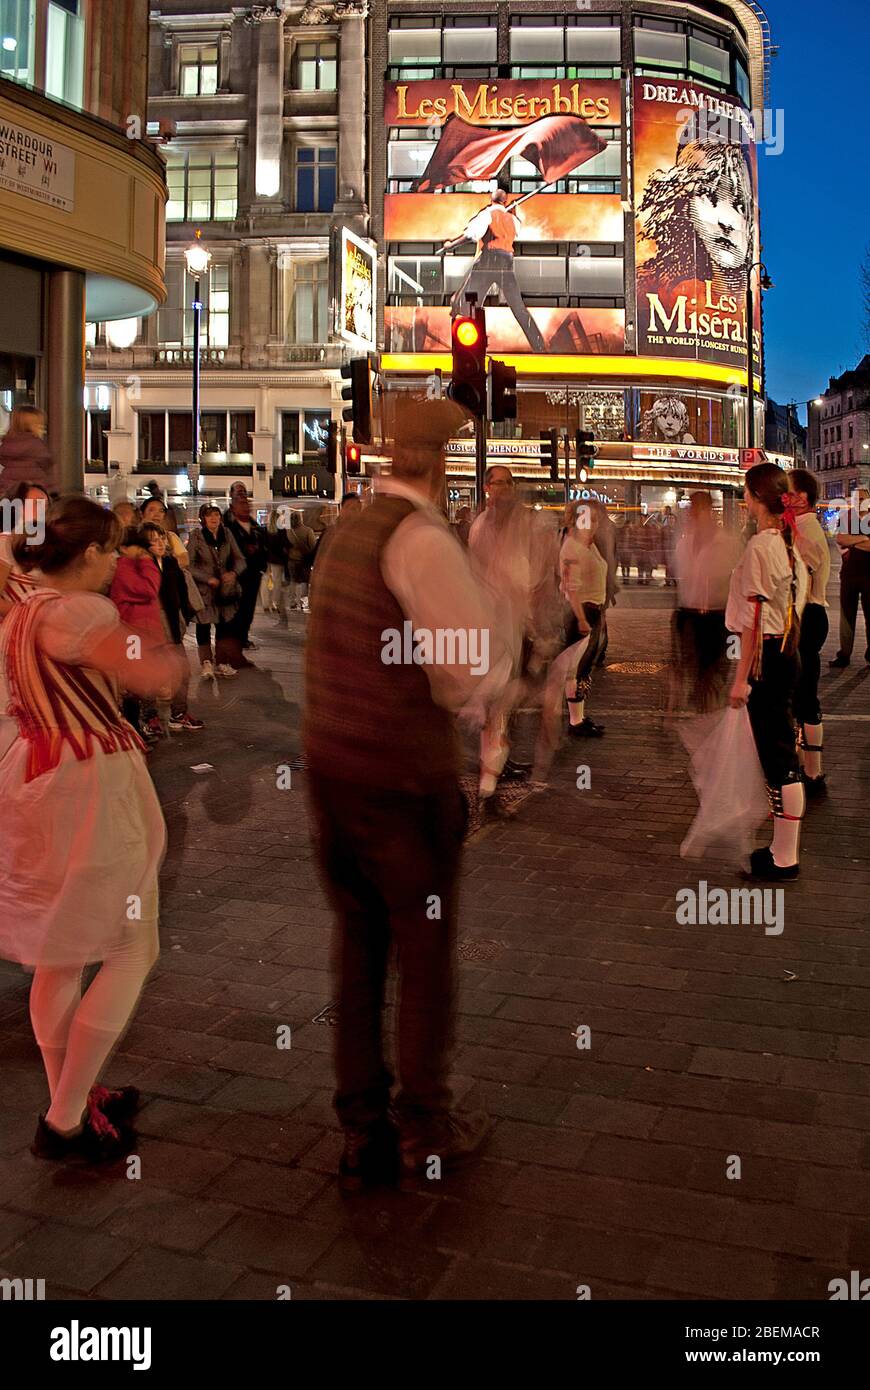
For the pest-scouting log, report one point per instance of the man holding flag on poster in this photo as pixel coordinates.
(554, 145)
(494, 229)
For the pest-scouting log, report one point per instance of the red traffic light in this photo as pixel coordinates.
(467, 333)
(352, 458)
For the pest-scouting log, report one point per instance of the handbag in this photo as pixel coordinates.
(194, 597)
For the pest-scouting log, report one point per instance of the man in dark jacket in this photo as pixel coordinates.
(252, 541)
(383, 774)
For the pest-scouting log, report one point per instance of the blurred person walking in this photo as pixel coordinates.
(854, 543)
(277, 555)
(135, 592)
(300, 561)
(250, 537)
(83, 833)
(24, 454)
(765, 600)
(176, 612)
(704, 558)
(350, 507)
(583, 575)
(384, 762)
(812, 545)
(513, 557)
(215, 563)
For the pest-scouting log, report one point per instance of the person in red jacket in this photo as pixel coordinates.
(135, 592)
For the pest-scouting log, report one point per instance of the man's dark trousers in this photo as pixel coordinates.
(391, 864)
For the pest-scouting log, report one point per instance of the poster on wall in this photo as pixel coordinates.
(696, 223)
(357, 298)
(541, 131)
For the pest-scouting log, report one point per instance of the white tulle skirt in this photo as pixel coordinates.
(80, 853)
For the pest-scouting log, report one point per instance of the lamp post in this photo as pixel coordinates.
(765, 283)
(197, 257)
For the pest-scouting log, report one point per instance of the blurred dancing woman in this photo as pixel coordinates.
(583, 572)
(765, 601)
(83, 830)
(812, 545)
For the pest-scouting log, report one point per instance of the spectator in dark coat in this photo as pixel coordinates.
(177, 612)
(216, 563)
(24, 454)
(250, 537)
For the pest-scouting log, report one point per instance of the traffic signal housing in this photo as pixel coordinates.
(550, 453)
(352, 459)
(502, 391)
(359, 393)
(468, 380)
(333, 446)
(584, 442)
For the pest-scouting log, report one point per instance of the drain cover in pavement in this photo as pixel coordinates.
(328, 1015)
(635, 668)
(479, 950)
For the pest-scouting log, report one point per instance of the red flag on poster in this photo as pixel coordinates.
(554, 145)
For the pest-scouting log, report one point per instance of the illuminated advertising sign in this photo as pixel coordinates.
(357, 296)
(542, 133)
(695, 181)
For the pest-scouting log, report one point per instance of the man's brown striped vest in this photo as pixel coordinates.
(367, 722)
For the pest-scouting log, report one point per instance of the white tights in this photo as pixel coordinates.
(77, 1032)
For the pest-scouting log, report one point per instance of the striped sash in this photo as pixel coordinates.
(54, 703)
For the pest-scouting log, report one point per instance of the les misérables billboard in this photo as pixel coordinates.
(482, 127)
(695, 182)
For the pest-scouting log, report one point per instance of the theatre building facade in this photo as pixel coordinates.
(625, 137)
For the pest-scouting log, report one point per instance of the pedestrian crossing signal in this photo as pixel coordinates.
(502, 391)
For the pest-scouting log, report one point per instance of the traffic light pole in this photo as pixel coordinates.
(480, 459)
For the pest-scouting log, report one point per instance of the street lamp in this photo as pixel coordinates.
(765, 283)
(197, 257)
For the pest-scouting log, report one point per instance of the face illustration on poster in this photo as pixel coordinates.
(666, 422)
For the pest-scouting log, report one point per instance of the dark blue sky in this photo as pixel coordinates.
(815, 195)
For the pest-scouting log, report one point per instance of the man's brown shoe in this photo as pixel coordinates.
(452, 1138)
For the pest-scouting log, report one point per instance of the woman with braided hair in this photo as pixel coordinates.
(765, 600)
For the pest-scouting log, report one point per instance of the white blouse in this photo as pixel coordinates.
(764, 571)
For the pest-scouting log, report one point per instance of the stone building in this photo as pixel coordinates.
(839, 433)
(259, 112)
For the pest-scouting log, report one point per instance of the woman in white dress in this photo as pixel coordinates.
(765, 601)
(83, 830)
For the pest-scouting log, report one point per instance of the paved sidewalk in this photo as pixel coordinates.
(608, 1167)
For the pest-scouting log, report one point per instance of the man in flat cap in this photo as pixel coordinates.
(399, 643)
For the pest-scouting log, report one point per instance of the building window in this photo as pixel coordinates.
(537, 38)
(470, 39)
(58, 66)
(213, 431)
(290, 452)
(242, 424)
(308, 301)
(315, 178)
(316, 66)
(98, 423)
(197, 69)
(592, 40)
(203, 185)
(415, 40)
(152, 436)
(175, 317)
(315, 435)
(709, 57)
(659, 43)
(180, 435)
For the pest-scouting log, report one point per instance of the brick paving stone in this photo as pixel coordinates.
(486, 1279)
(167, 1274)
(265, 1186)
(169, 1219)
(78, 1260)
(695, 1267)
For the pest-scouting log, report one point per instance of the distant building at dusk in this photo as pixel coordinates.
(783, 432)
(839, 433)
